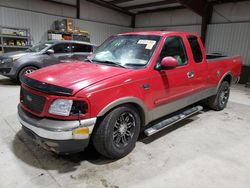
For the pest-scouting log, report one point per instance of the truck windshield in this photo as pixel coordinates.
(39, 47)
(126, 50)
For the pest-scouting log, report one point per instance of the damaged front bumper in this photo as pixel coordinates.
(58, 136)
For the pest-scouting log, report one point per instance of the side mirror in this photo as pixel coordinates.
(168, 63)
(50, 52)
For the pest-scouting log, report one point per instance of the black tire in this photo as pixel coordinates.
(116, 134)
(25, 70)
(219, 101)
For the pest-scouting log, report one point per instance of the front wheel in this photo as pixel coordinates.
(115, 136)
(219, 101)
(26, 70)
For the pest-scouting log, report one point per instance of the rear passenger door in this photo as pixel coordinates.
(81, 51)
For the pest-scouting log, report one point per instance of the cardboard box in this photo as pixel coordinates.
(84, 32)
(70, 25)
(76, 30)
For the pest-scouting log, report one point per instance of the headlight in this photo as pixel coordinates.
(61, 107)
(7, 60)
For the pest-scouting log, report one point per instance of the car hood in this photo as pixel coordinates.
(76, 75)
(16, 55)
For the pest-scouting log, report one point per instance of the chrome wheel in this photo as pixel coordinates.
(28, 71)
(124, 129)
(223, 98)
(25, 70)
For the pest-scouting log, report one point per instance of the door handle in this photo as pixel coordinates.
(190, 74)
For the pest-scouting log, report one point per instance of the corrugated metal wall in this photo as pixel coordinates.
(231, 39)
(39, 23)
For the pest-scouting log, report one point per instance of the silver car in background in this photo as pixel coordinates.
(15, 64)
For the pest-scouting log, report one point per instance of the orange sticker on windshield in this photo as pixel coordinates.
(149, 43)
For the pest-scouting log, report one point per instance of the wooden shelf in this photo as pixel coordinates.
(9, 35)
(14, 36)
(10, 46)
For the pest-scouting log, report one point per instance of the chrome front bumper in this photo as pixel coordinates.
(55, 129)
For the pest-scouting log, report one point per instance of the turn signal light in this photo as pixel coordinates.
(81, 133)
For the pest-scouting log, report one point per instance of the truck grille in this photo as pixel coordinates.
(32, 101)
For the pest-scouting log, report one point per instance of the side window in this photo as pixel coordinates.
(174, 47)
(81, 48)
(196, 49)
(61, 48)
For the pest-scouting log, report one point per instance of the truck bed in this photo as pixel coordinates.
(215, 57)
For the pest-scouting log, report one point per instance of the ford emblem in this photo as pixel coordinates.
(29, 98)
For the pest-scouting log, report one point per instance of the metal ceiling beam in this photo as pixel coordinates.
(133, 19)
(146, 5)
(206, 19)
(202, 8)
(60, 3)
(78, 4)
(161, 9)
(199, 7)
(110, 6)
(226, 1)
(119, 1)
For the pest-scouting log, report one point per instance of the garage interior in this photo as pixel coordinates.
(209, 149)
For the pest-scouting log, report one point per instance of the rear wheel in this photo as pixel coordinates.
(26, 70)
(219, 101)
(115, 136)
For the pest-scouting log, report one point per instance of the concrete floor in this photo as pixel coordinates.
(210, 149)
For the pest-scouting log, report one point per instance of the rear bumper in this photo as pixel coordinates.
(55, 135)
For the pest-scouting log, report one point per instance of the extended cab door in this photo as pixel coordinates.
(169, 86)
(62, 52)
(198, 72)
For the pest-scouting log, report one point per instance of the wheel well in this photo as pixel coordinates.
(138, 108)
(228, 78)
(17, 75)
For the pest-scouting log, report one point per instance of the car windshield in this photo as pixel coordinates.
(126, 50)
(39, 47)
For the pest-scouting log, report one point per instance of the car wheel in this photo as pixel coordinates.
(26, 70)
(116, 135)
(219, 101)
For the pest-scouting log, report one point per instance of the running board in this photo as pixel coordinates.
(172, 120)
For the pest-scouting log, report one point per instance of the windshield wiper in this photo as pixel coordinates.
(111, 63)
(89, 60)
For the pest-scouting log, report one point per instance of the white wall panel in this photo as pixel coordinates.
(231, 12)
(93, 12)
(231, 39)
(88, 11)
(168, 18)
(51, 8)
(39, 24)
(41, 6)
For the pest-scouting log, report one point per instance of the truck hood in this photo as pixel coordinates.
(76, 75)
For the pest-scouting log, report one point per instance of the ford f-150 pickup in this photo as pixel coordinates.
(132, 80)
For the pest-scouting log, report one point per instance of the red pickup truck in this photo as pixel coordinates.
(132, 80)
